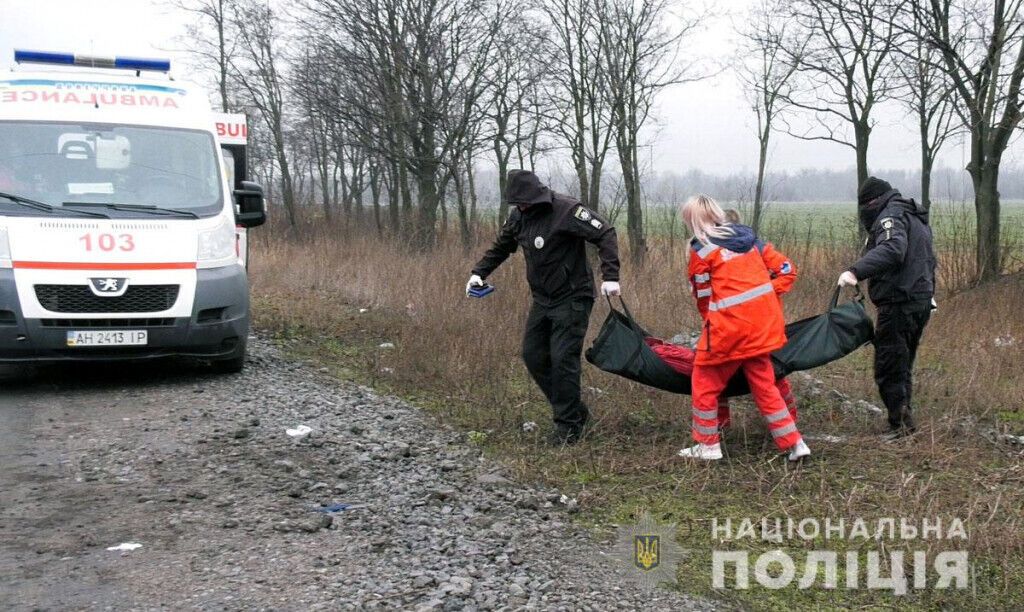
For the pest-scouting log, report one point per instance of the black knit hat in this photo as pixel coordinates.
(872, 189)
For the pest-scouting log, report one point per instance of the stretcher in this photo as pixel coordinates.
(623, 347)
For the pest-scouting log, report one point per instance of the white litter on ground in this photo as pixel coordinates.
(529, 426)
(825, 438)
(387, 345)
(125, 546)
(299, 432)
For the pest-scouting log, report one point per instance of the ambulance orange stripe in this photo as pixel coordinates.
(76, 265)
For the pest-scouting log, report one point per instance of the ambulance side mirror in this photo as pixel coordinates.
(252, 207)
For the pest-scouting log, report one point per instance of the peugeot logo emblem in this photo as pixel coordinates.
(108, 287)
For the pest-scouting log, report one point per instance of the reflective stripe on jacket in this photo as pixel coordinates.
(738, 295)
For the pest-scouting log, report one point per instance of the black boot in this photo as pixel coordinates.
(567, 436)
(564, 436)
(903, 425)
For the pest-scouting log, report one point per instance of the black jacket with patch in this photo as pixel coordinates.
(898, 260)
(553, 235)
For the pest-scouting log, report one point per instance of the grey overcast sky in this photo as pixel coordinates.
(705, 125)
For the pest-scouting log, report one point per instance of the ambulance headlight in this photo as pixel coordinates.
(5, 249)
(217, 244)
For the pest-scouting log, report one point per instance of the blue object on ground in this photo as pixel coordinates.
(334, 508)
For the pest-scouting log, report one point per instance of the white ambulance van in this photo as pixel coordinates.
(119, 216)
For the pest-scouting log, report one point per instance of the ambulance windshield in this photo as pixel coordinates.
(65, 163)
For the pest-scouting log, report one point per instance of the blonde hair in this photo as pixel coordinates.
(705, 218)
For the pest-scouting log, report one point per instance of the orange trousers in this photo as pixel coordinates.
(708, 382)
(785, 390)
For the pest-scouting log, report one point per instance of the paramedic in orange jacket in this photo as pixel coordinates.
(783, 276)
(731, 275)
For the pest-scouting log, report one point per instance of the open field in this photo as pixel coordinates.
(459, 359)
(825, 223)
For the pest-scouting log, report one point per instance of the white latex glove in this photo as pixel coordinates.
(847, 279)
(474, 281)
(610, 288)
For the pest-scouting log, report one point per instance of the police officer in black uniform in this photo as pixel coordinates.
(899, 264)
(553, 230)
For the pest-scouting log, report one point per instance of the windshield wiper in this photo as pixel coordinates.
(17, 199)
(43, 206)
(137, 208)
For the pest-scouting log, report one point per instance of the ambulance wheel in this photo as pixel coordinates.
(231, 365)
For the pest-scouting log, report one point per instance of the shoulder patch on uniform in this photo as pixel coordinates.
(582, 214)
(886, 223)
(597, 224)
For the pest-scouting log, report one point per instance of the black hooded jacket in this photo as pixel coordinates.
(898, 260)
(553, 232)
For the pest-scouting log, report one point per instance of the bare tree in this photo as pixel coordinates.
(766, 76)
(926, 92)
(638, 60)
(416, 79)
(209, 39)
(312, 100)
(256, 72)
(582, 117)
(514, 84)
(981, 44)
(844, 59)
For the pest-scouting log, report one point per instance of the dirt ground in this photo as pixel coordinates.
(229, 509)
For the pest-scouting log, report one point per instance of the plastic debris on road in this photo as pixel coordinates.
(299, 432)
(334, 508)
(125, 546)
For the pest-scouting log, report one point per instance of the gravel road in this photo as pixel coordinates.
(198, 469)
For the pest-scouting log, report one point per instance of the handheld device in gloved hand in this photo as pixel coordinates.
(480, 291)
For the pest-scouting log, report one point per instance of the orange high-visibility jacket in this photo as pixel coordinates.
(738, 282)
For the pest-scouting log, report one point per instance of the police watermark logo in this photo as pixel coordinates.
(647, 552)
(645, 555)
(538, 242)
(891, 554)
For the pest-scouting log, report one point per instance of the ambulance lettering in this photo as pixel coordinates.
(80, 96)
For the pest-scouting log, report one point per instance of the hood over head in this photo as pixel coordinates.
(524, 187)
(742, 239)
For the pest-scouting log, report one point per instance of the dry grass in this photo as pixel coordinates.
(460, 359)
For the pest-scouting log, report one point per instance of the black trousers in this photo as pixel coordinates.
(552, 346)
(897, 336)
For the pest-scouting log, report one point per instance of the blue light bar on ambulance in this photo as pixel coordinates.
(71, 59)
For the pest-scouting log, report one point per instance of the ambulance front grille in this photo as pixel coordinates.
(81, 299)
(106, 323)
